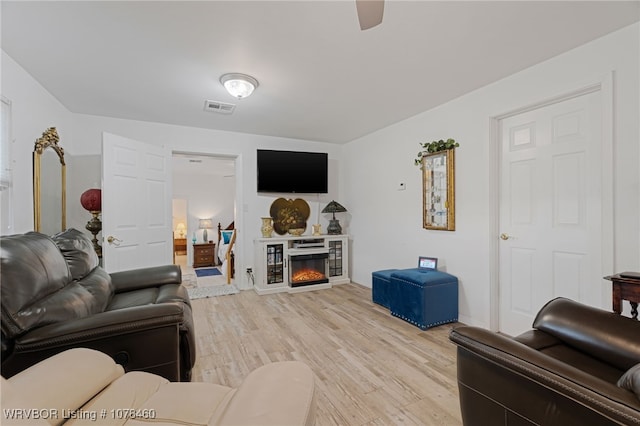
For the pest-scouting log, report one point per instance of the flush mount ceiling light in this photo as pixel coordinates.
(239, 85)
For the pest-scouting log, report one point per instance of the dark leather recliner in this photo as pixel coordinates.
(566, 371)
(55, 296)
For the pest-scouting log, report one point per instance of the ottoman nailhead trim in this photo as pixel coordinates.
(433, 324)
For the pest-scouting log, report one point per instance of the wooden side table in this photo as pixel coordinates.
(204, 255)
(180, 245)
(624, 288)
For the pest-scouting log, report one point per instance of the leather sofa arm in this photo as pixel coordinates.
(515, 358)
(104, 324)
(605, 335)
(513, 354)
(63, 383)
(146, 277)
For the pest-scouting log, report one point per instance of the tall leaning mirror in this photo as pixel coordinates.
(49, 184)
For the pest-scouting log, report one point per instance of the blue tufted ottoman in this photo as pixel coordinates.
(380, 282)
(423, 297)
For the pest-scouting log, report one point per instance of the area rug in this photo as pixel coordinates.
(212, 286)
(207, 272)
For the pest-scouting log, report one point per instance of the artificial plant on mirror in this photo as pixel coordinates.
(434, 146)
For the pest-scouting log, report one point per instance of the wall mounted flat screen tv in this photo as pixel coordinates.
(292, 171)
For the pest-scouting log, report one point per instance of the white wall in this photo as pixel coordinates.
(208, 197)
(387, 224)
(250, 205)
(83, 173)
(33, 111)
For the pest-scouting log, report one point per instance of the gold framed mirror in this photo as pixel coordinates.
(438, 190)
(49, 184)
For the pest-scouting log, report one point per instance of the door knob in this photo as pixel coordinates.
(113, 240)
(504, 236)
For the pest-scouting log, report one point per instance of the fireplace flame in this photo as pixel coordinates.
(307, 275)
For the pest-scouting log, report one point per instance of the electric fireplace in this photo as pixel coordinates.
(308, 267)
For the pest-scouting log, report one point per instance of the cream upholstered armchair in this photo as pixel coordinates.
(83, 386)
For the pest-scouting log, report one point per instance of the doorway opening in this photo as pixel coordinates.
(204, 197)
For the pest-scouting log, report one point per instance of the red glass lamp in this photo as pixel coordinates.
(91, 200)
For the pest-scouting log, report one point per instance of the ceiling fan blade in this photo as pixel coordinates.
(369, 13)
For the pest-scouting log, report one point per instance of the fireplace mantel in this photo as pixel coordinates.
(272, 261)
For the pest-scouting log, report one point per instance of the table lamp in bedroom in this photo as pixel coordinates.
(180, 229)
(205, 224)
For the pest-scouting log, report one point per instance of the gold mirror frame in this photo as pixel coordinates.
(49, 139)
(438, 190)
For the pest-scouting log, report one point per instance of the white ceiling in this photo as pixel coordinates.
(321, 77)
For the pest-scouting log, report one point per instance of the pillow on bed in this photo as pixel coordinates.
(226, 236)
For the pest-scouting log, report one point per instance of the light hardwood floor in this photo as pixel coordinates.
(371, 368)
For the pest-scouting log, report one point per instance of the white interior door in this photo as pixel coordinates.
(550, 209)
(136, 204)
